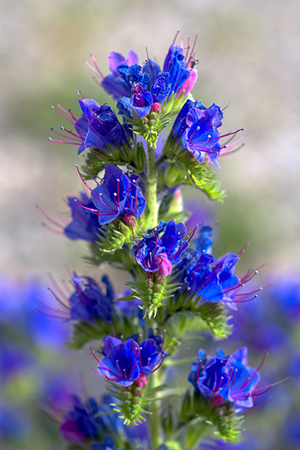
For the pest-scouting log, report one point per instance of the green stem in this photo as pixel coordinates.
(152, 188)
(154, 379)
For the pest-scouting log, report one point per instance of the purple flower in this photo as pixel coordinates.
(84, 224)
(104, 128)
(89, 421)
(176, 65)
(227, 376)
(196, 129)
(87, 303)
(129, 362)
(161, 248)
(98, 127)
(118, 195)
(141, 100)
(116, 84)
(212, 280)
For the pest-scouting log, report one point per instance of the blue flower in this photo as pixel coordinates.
(176, 65)
(87, 303)
(141, 100)
(98, 127)
(108, 444)
(89, 421)
(104, 128)
(161, 248)
(227, 376)
(118, 195)
(84, 224)
(14, 423)
(196, 127)
(129, 362)
(115, 84)
(212, 280)
(161, 87)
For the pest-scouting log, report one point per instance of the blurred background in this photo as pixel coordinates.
(249, 59)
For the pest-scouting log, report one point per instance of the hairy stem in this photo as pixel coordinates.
(152, 188)
(154, 426)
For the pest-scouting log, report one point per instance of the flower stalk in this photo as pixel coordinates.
(152, 187)
(134, 221)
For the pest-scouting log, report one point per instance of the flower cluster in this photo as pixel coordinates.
(144, 88)
(134, 220)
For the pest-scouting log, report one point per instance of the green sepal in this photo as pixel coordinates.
(198, 415)
(184, 312)
(149, 126)
(131, 157)
(153, 290)
(186, 169)
(84, 332)
(132, 403)
(118, 233)
(167, 422)
(173, 105)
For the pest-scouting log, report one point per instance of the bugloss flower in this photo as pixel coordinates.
(98, 127)
(129, 362)
(161, 248)
(86, 303)
(179, 67)
(89, 421)
(84, 224)
(196, 129)
(227, 376)
(116, 84)
(212, 280)
(117, 196)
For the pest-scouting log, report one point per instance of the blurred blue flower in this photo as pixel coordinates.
(227, 376)
(89, 421)
(84, 224)
(212, 280)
